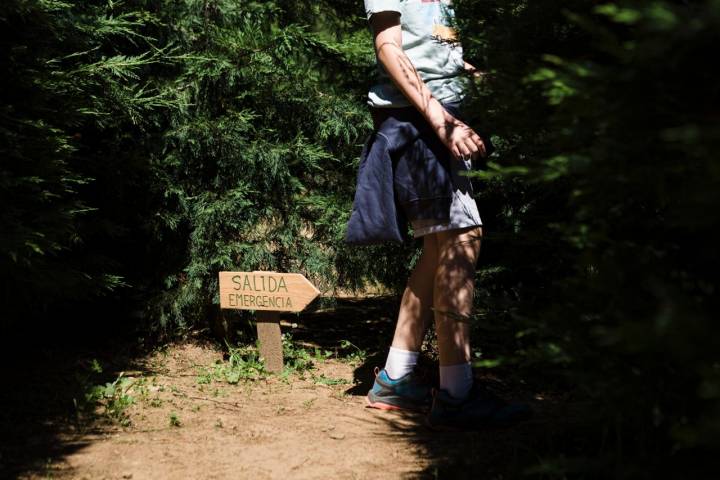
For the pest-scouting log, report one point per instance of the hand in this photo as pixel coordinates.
(474, 72)
(461, 140)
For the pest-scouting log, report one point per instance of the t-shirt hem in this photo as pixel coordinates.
(406, 103)
(443, 227)
(370, 14)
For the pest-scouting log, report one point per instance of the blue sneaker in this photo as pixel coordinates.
(408, 392)
(480, 409)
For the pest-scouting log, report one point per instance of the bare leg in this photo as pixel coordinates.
(458, 251)
(415, 309)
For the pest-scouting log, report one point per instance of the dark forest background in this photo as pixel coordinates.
(146, 145)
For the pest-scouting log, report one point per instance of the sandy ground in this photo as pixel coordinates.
(184, 425)
(255, 429)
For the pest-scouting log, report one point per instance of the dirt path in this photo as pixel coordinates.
(272, 428)
(176, 416)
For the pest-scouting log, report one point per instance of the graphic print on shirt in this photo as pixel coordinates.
(438, 13)
(432, 46)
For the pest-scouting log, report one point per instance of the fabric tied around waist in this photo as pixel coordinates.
(404, 175)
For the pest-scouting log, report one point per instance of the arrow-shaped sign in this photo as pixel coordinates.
(272, 292)
(281, 292)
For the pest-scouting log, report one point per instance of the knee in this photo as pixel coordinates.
(471, 240)
(460, 236)
(474, 234)
(461, 244)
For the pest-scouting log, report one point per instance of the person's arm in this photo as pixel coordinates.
(460, 139)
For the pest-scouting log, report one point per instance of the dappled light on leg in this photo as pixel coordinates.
(453, 294)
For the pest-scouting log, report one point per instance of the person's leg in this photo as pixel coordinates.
(415, 312)
(415, 308)
(394, 387)
(458, 251)
(462, 404)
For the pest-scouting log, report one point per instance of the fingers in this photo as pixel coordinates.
(465, 149)
(472, 147)
(456, 153)
(466, 144)
(479, 143)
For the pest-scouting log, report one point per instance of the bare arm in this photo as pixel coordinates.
(460, 139)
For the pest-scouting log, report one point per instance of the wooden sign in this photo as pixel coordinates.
(269, 293)
(279, 292)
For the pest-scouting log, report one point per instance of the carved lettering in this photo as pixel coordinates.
(264, 291)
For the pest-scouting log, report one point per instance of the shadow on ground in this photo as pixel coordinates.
(40, 419)
(42, 414)
(491, 454)
(366, 323)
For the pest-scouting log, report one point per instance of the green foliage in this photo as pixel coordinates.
(245, 364)
(72, 92)
(323, 380)
(352, 353)
(602, 195)
(296, 359)
(247, 367)
(112, 398)
(258, 162)
(174, 419)
(149, 144)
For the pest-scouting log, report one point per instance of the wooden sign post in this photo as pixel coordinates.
(269, 293)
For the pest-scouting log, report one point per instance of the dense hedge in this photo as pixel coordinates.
(602, 222)
(149, 144)
(75, 109)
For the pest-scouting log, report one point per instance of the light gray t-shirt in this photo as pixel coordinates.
(429, 42)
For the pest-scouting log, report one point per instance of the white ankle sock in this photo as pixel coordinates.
(457, 380)
(400, 362)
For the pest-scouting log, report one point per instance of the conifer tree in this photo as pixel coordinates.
(603, 191)
(150, 144)
(72, 93)
(259, 156)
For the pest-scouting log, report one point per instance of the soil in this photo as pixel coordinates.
(179, 426)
